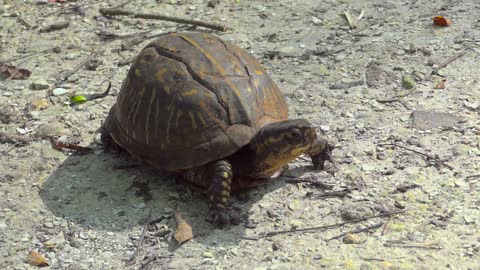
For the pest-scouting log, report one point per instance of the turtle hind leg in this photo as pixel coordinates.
(221, 176)
(109, 145)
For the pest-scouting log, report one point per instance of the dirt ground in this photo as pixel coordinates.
(398, 95)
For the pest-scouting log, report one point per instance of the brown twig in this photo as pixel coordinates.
(437, 159)
(121, 12)
(364, 229)
(326, 227)
(66, 75)
(308, 180)
(142, 236)
(331, 194)
(473, 176)
(62, 10)
(31, 55)
(105, 35)
(447, 62)
(403, 244)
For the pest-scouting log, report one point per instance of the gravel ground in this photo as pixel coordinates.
(403, 116)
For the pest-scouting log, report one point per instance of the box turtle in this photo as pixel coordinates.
(200, 107)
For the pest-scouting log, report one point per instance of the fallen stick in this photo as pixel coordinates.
(142, 237)
(448, 62)
(326, 227)
(371, 227)
(437, 160)
(66, 75)
(121, 12)
(403, 244)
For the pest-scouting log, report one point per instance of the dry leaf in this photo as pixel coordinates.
(36, 259)
(440, 84)
(39, 104)
(13, 72)
(441, 21)
(183, 232)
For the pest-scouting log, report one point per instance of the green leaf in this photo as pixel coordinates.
(78, 99)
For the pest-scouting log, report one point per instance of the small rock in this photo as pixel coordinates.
(83, 236)
(324, 128)
(98, 139)
(469, 219)
(21, 130)
(7, 94)
(207, 254)
(39, 84)
(352, 239)
(340, 57)
(77, 243)
(51, 129)
(461, 183)
(59, 91)
(289, 51)
(296, 223)
(3, 226)
(48, 224)
(471, 105)
(460, 150)
(430, 119)
(316, 20)
(192, 8)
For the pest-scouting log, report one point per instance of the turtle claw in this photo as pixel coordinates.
(319, 159)
(226, 217)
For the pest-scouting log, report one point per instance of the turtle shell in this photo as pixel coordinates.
(192, 98)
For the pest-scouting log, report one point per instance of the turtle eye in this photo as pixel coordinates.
(295, 133)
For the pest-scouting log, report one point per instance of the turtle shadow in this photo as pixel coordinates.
(91, 191)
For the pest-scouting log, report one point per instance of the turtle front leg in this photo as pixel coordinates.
(219, 194)
(321, 151)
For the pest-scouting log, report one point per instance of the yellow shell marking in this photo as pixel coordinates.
(190, 92)
(138, 102)
(138, 72)
(192, 118)
(159, 75)
(258, 72)
(225, 193)
(199, 116)
(179, 114)
(149, 110)
(225, 174)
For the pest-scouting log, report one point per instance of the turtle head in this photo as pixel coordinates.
(278, 143)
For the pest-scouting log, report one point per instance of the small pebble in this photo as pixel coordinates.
(59, 91)
(39, 85)
(48, 224)
(7, 94)
(207, 254)
(21, 131)
(352, 239)
(316, 20)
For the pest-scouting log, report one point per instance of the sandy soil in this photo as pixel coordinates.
(363, 87)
